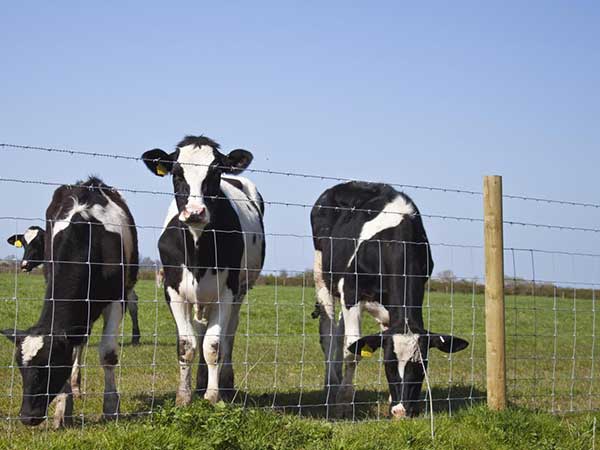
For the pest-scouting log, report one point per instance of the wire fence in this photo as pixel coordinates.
(278, 358)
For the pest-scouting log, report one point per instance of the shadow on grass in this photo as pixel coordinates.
(368, 404)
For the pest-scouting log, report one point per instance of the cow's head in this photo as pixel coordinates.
(45, 364)
(405, 357)
(196, 167)
(32, 241)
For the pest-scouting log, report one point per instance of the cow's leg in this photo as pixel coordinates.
(218, 319)
(109, 357)
(345, 395)
(187, 344)
(132, 307)
(75, 379)
(327, 329)
(202, 373)
(226, 378)
(394, 382)
(63, 413)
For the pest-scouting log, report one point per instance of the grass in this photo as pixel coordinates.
(278, 363)
(202, 426)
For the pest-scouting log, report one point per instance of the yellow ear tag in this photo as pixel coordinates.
(366, 351)
(161, 170)
(18, 243)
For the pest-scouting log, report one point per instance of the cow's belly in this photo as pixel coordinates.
(207, 289)
(212, 286)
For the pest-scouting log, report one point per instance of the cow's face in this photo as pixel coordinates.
(196, 167)
(406, 356)
(32, 242)
(45, 364)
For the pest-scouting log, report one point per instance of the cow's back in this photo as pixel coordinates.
(91, 250)
(370, 235)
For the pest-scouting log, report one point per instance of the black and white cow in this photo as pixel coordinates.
(91, 268)
(372, 253)
(212, 250)
(32, 241)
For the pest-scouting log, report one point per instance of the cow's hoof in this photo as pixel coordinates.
(331, 393)
(183, 398)
(75, 391)
(343, 411)
(344, 403)
(109, 417)
(135, 341)
(212, 395)
(62, 422)
(227, 395)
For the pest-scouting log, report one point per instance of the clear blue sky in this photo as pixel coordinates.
(431, 95)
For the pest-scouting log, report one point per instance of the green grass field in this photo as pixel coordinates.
(278, 363)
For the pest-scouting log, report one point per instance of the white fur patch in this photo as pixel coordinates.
(171, 212)
(30, 234)
(250, 221)
(195, 162)
(62, 224)
(406, 348)
(115, 220)
(340, 288)
(379, 313)
(112, 216)
(30, 347)
(391, 216)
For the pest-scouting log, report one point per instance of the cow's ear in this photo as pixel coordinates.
(237, 161)
(12, 334)
(158, 161)
(17, 240)
(445, 342)
(365, 346)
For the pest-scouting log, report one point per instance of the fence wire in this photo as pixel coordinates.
(277, 357)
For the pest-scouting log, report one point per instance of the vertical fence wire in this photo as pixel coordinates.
(458, 309)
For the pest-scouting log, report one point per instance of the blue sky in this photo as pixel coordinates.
(429, 95)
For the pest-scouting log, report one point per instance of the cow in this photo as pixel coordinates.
(32, 242)
(212, 250)
(372, 253)
(91, 265)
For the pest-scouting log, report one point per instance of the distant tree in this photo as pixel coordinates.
(148, 263)
(446, 276)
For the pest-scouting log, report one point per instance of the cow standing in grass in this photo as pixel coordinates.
(372, 253)
(33, 242)
(91, 265)
(212, 250)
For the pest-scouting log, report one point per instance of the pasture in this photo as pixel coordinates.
(279, 365)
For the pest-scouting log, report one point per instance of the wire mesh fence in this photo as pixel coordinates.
(278, 358)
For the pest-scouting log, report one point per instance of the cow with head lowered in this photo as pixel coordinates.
(90, 265)
(372, 254)
(32, 242)
(212, 250)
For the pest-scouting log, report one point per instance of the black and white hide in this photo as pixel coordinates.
(91, 265)
(32, 242)
(372, 254)
(212, 250)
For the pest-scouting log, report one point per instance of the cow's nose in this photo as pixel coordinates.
(195, 214)
(31, 420)
(24, 265)
(398, 411)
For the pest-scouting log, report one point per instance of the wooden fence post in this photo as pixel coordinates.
(494, 292)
